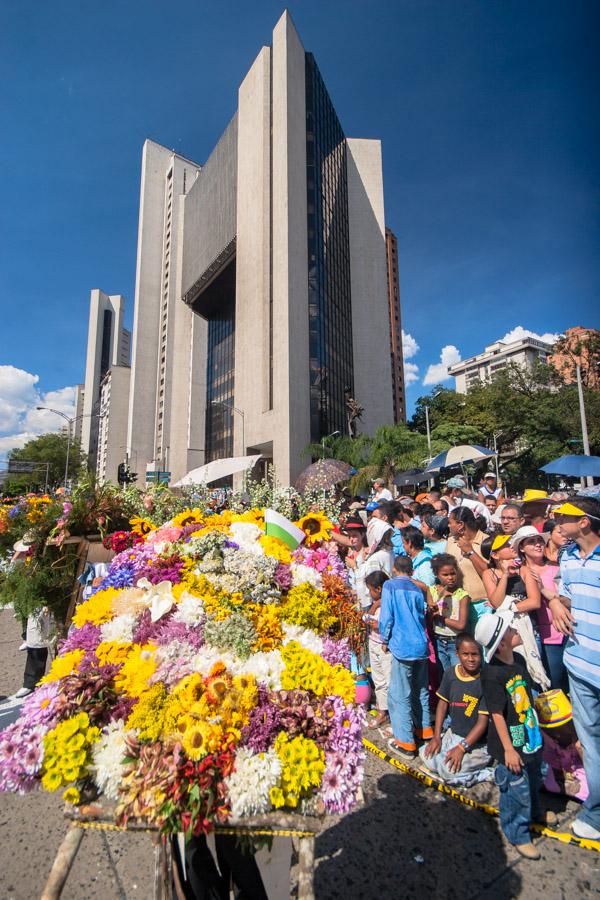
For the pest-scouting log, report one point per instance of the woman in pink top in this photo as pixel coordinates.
(532, 551)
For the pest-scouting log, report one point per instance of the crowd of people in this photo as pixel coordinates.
(483, 622)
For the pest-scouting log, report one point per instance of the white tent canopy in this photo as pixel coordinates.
(218, 468)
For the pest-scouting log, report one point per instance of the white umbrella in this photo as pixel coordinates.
(455, 456)
(218, 468)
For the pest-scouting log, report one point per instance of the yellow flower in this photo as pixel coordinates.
(52, 780)
(268, 628)
(137, 670)
(97, 610)
(113, 652)
(201, 738)
(316, 526)
(188, 517)
(71, 795)
(275, 548)
(64, 665)
(148, 714)
(140, 525)
(309, 672)
(308, 607)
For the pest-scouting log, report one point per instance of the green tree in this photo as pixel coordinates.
(47, 448)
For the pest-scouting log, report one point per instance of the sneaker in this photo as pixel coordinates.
(398, 750)
(584, 830)
(527, 850)
(22, 692)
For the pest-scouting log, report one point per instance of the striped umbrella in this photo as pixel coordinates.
(456, 456)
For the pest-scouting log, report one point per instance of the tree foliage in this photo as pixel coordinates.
(47, 448)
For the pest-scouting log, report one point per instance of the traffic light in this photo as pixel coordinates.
(124, 476)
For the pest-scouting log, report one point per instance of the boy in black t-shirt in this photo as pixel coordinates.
(459, 757)
(514, 736)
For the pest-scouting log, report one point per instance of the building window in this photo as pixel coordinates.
(329, 299)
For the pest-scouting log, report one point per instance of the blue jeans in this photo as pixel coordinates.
(552, 658)
(408, 701)
(519, 800)
(445, 650)
(585, 699)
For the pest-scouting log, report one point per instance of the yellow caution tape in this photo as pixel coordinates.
(275, 832)
(442, 788)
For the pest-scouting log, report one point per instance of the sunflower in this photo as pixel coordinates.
(188, 517)
(141, 526)
(316, 527)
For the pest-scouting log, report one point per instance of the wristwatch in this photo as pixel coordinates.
(468, 553)
(464, 745)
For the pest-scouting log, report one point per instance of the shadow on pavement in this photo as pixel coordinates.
(408, 842)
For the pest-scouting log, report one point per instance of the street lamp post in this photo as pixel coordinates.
(240, 412)
(325, 438)
(70, 423)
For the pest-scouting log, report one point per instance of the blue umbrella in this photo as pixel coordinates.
(574, 465)
(455, 456)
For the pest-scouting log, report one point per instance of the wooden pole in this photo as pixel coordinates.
(306, 867)
(62, 864)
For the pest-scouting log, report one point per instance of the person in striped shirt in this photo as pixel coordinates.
(576, 612)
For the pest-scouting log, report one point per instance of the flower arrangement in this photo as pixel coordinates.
(205, 679)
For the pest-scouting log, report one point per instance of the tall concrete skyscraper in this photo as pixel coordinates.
(396, 351)
(261, 298)
(108, 345)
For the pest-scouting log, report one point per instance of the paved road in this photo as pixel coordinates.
(374, 854)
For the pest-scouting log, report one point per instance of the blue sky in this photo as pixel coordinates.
(486, 110)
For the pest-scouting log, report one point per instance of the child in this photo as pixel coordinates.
(459, 757)
(562, 751)
(402, 630)
(381, 663)
(449, 604)
(514, 737)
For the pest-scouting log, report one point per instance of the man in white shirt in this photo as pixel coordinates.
(457, 498)
(380, 492)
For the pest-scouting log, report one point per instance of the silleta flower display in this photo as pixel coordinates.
(206, 679)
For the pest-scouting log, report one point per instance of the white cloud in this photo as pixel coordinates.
(20, 421)
(411, 373)
(439, 371)
(410, 347)
(518, 333)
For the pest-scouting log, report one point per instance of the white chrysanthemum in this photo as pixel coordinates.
(108, 754)
(306, 575)
(246, 536)
(251, 780)
(304, 636)
(204, 660)
(190, 610)
(266, 668)
(119, 629)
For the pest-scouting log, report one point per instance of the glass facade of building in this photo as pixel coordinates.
(220, 368)
(329, 299)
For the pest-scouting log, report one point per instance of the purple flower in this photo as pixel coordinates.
(263, 725)
(345, 735)
(40, 707)
(21, 755)
(341, 779)
(336, 653)
(283, 576)
(85, 638)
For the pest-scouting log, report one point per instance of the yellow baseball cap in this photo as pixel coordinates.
(553, 708)
(500, 540)
(569, 509)
(534, 494)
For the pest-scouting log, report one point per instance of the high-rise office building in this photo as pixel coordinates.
(108, 345)
(396, 351)
(277, 248)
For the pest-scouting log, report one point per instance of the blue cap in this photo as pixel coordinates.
(373, 504)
